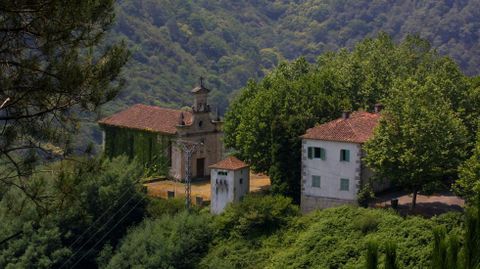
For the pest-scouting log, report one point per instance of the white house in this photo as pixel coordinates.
(230, 181)
(332, 168)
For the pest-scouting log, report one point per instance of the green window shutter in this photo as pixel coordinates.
(316, 181)
(322, 154)
(310, 152)
(344, 184)
(344, 155)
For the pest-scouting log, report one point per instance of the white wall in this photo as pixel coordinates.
(331, 170)
(222, 194)
(244, 188)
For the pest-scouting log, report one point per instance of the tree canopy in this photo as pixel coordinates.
(76, 209)
(51, 68)
(228, 42)
(265, 120)
(420, 140)
(468, 185)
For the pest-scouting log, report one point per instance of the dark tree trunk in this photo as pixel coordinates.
(414, 199)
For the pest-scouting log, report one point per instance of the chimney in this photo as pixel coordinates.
(378, 108)
(346, 115)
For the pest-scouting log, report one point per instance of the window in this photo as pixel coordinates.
(317, 153)
(345, 155)
(316, 181)
(241, 181)
(222, 173)
(344, 184)
(200, 124)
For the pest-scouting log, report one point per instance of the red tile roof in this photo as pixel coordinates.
(357, 128)
(148, 118)
(230, 163)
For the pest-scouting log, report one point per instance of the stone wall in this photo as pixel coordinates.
(310, 203)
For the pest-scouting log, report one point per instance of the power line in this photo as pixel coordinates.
(109, 231)
(101, 228)
(101, 216)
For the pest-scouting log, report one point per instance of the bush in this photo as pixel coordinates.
(158, 207)
(256, 215)
(366, 223)
(169, 242)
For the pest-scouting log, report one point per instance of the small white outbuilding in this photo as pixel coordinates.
(230, 181)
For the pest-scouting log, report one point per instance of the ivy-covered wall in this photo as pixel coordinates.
(153, 150)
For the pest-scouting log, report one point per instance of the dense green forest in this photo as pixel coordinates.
(64, 210)
(175, 41)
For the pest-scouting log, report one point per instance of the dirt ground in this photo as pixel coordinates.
(258, 182)
(427, 205)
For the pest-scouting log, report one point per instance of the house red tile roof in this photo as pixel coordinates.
(148, 118)
(357, 128)
(230, 163)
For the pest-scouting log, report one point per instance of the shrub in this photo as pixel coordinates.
(256, 215)
(169, 242)
(158, 207)
(366, 223)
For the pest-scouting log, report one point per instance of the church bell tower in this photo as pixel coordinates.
(200, 104)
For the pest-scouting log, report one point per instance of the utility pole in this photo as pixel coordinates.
(188, 147)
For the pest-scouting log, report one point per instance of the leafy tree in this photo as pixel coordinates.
(84, 204)
(420, 140)
(265, 120)
(51, 68)
(468, 185)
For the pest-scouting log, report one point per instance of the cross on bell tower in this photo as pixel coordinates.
(200, 93)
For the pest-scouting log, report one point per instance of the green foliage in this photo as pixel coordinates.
(471, 250)
(391, 256)
(468, 185)
(148, 148)
(156, 207)
(230, 42)
(372, 255)
(255, 216)
(329, 238)
(174, 42)
(420, 139)
(439, 252)
(53, 72)
(85, 204)
(449, 252)
(366, 223)
(265, 121)
(168, 242)
(365, 194)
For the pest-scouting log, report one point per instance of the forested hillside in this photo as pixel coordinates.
(173, 42)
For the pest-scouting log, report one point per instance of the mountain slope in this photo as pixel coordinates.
(176, 41)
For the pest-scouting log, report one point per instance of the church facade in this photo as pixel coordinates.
(153, 135)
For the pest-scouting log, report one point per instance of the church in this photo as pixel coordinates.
(152, 135)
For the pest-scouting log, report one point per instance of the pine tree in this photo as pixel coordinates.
(52, 68)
